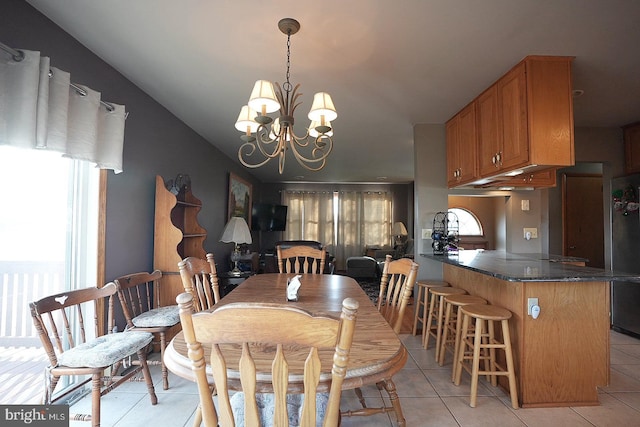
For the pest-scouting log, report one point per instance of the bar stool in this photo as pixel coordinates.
(482, 338)
(451, 326)
(436, 315)
(422, 303)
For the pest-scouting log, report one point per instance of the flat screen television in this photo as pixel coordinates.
(268, 217)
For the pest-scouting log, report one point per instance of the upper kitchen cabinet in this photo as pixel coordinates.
(525, 120)
(632, 148)
(461, 147)
(489, 134)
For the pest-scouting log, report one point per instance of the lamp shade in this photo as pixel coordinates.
(246, 120)
(263, 95)
(399, 229)
(322, 106)
(236, 231)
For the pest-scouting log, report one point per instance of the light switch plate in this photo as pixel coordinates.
(525, 205)
(426, 233)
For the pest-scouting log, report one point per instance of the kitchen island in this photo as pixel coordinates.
(563, 355)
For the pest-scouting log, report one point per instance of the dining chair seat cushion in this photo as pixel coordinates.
(105, 350)
(161, 316)
(266, 408)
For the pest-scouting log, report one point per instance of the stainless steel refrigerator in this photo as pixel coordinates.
(625, 296)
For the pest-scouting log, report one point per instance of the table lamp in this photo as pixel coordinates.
(399, 233)
(236, 231)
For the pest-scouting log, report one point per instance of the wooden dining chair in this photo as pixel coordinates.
(301, 259)
(396, 286)
(200, 278)
(267, 341)
(139, 295)
(60, 322)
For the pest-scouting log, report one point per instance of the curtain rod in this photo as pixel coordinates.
(18, 56)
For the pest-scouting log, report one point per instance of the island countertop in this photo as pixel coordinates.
(562, 356)
(528, 267)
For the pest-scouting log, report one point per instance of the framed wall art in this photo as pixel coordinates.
(239, 198)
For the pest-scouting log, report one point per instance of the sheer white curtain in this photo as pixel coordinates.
(346, 222)
(377, 220)
(40, 109)
(310, 217)
(350, 237)
(364, 219)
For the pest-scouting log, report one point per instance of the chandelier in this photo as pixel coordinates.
(267, 138)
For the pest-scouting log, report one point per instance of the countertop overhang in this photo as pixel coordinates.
(529, 267)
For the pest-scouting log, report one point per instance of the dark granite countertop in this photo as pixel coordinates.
(529, 267)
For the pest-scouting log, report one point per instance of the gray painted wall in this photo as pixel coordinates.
(156, 143)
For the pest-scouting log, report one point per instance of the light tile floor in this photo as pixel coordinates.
(427, 394)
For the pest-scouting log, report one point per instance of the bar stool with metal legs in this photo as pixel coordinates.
(435, 317)
(422, 303)
(451, 326)
(481, 338)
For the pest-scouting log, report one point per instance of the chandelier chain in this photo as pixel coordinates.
(287, 84)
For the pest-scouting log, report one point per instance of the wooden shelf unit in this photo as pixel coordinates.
(177, 236)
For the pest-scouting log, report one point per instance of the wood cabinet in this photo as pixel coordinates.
(632, 148)
(177, 236)
(539, 179)
(461, 147)
(489, 134)
(513, 123)
(524, 120)
(561, 357)
(544, 178)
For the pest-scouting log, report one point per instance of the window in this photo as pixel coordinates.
(49, 233)
(469, 224)
(345, 222)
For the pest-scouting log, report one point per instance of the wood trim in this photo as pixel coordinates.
(102, 235)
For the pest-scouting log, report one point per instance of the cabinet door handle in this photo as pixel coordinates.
(499, 157)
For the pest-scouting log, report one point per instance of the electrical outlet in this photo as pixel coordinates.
(426, 233)
(530, 303)
(533, 231)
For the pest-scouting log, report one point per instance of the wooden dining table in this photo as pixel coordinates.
(376, 352)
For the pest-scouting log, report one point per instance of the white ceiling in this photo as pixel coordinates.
(387, 64)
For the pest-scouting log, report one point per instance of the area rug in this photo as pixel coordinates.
(371, 288)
